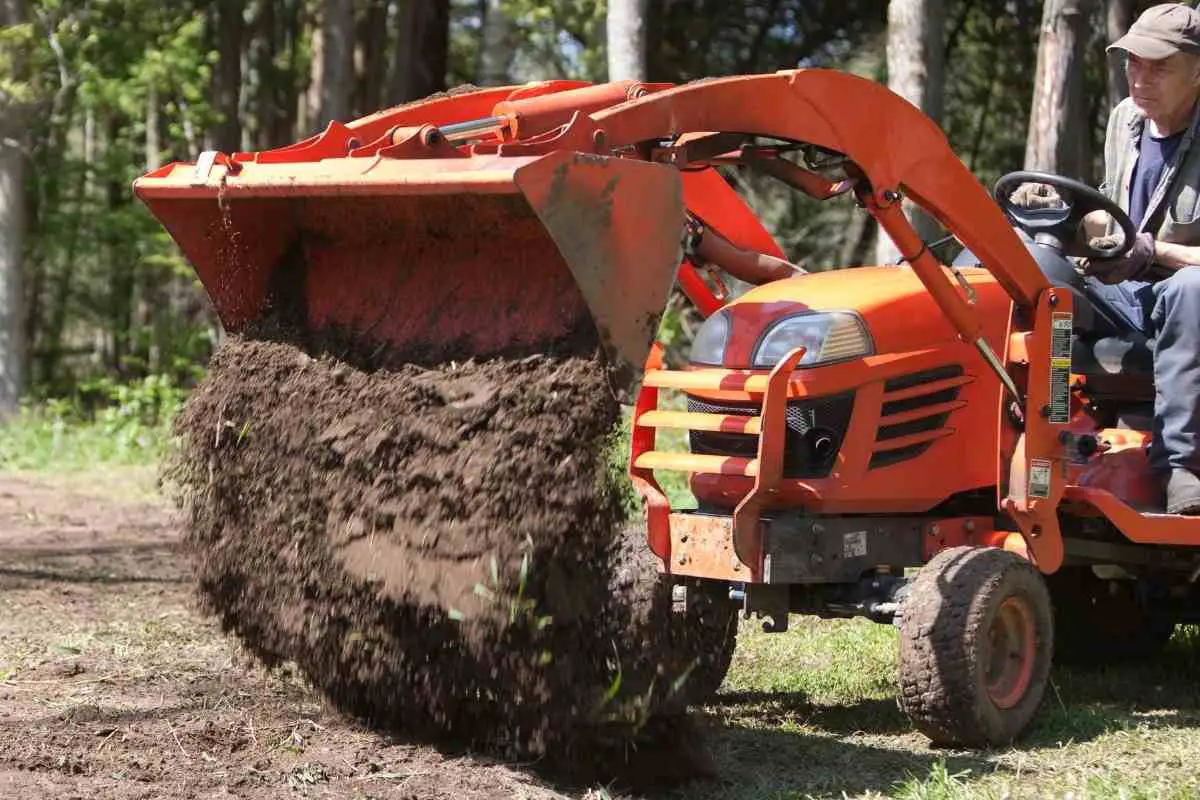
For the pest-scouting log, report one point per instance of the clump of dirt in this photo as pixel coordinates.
(442, 550)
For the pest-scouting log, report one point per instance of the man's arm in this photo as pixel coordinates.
(1176, 256)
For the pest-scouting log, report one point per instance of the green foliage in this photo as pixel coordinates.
(565, 39)
(701, 38)
(14, 42)
(104, 281)
(118, 86)
(103, 422)
(939, 784)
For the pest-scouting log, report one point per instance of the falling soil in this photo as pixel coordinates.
(442, 551)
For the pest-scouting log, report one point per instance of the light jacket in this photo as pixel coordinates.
(1178, 191)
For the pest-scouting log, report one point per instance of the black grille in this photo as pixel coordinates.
(919, 425)
(815, 430)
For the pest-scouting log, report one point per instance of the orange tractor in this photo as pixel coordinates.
(985, 422)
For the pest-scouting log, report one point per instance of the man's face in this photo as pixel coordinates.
(1164, 87)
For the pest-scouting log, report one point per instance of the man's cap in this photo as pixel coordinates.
(1162, 31)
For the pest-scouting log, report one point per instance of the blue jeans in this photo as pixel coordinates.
(1168, 313)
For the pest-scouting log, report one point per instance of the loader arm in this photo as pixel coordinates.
(901, 152)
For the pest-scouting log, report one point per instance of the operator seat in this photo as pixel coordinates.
(1115, 357)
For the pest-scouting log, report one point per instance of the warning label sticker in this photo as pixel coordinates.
(854, 544)
(1060, 368)
(1039, 477)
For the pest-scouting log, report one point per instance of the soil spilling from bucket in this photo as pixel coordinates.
(443, 551)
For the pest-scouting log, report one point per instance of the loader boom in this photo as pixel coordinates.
(502, 220)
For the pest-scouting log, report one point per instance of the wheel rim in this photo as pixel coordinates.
(1011, 652)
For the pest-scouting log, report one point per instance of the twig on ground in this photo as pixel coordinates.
(1058, 696)
(174, 736)
(103, 743)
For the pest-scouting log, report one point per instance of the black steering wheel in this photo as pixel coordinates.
(1059, 227)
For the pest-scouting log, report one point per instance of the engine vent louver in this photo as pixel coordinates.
(915, 412)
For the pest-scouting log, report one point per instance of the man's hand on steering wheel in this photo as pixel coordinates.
(1134, 264)
(1053, 211)
(1036, 195)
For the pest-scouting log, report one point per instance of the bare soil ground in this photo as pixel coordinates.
(113, 685)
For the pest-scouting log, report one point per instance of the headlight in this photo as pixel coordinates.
(825, 337)
(709, 345)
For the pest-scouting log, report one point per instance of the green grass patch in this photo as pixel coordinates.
(825, 661)
(105, 424)
(812, 713)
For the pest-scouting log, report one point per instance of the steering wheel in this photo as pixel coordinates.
(1059, 227)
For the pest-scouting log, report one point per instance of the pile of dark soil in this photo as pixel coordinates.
(443, 551)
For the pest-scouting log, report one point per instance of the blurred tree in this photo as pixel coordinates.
(626, 40)
(14, 33)
(115, 87)
(422, 49)
(370, 57)
(1117, 21)
(916, 72)
(1058, 119)
(332, 90)
(230, 26)
(496, 44)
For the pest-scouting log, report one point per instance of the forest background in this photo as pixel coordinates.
(102, 323)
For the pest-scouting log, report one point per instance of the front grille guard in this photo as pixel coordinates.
(766, 468)
(816, 428)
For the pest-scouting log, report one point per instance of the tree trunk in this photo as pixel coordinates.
(1057, 120)
(227, 77)
(369, 54)
(916, 71)
(422, 50)
(287, 127)
(496, 51)
(310, 107)
(120, 265)
(265, 48)
(153, 146)
(626, 27)
(335, 92)
(1120, 17)
(655, 35)
(12, 227)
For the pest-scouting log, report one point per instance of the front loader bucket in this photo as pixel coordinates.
(433, 259)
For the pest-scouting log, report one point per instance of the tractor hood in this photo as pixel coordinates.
(866, 310)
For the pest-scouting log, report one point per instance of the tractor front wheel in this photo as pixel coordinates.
(976, 642)
(705, 627)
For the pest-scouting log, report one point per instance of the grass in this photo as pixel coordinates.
(39, 442)
(812, 713)
(56, 436)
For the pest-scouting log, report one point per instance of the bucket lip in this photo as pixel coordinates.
(484, 174)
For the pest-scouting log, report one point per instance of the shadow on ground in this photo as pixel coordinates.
(130, 562)
(782, 745)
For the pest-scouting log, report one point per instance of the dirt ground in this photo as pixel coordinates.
(113, 685)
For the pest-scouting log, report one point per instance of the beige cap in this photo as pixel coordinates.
(1162, 31)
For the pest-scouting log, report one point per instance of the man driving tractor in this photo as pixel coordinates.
(1152, 171)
